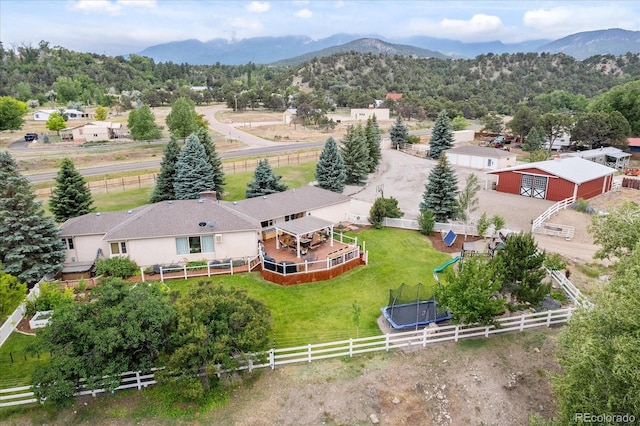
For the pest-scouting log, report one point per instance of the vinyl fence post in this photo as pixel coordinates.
(184, 268)
(424, 337)
(486, 331)
(455, 336)
(548, 318)
(309, 351)
(231, 266)
(161, 275)
(142, 273)
(522, 322)
(208, 269)
(138, 380)
(351, 347)
(250, 365)
(272, 358)
(386, 342)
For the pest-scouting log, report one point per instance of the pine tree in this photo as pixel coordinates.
(264, 181)
(194, 173)
(164, 186)
(30, 241)
(71, 197)
(214, 159)
(398, 133)
(440, 192)
(373, 141)
(330, 171)
(534, 141)
(355, 154)
(442, 135)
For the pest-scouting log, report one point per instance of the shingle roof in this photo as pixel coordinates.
(574, 169)
(633, 141)
(164, 219)
(284, 203)
(481, 151)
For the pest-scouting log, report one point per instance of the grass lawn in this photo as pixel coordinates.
(323, 311)
(18, 372)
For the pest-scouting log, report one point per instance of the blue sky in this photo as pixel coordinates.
(128, 26)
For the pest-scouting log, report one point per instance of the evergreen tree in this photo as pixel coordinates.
(194, 173)
(214, 159)
(183, 119)
(264, 181)
(534, 141)
(142, 125)
(330, 171)
(442, 135)
(71, 197)
(30, 241)
(398, 133)
(355, 154)
(440, 192)
(373, 140)
(164, 186)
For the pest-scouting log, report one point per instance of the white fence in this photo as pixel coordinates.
(571, 290)
(12, 322)
(193, 271)
(565, 231)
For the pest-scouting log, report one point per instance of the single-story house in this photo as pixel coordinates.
(608, 156)
(479, 157)
(94, 131)
(180, 231)
(634, 145)
(366, 113)
(394, 96)
(72, 114)
(556, 179)
(289, 115)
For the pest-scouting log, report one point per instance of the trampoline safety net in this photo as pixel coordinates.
(409, 294)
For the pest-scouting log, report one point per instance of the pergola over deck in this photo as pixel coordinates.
(304, 225)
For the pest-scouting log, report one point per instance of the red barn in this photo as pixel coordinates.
(556, 179)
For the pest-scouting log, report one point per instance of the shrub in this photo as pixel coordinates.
(50, 297)
(426, 221)
(582, 206)
(384, 207)
(411, 139)
(121, 267)
(483, 225)
(555, 262)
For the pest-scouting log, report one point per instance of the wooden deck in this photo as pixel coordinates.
(286, 254)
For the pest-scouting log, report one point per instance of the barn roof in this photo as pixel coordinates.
(574, 169)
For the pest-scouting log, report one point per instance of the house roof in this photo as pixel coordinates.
(574, 169)
(284, 203)
(633, 141)
(599, 152)
(481, 151)
(394, 96)
(304, 225)
(164, 219)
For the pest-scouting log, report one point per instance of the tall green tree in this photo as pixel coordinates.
(194, 173)
(472, 294)
(440, 194)
(70, 197)
(330, 170)
(468, 200)
(625, 99)
(124, 328)
(598, 129)
(183, 119)
(214, 159)
(101, 113)
(523, 122)
(217, 328)
(264, 181)
(30, 240)
(598, 350)
(56, 122)
(523, 269)
(398, 133)
(372, 131)
(164, 185)
(12, 293)
(534, 141)
(12, 113)
(553, 126)
(441, 136)
(618, 232)
(355, 154)
(142, 125)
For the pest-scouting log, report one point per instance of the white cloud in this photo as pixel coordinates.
(246, 24)
(304, 14)
(138, 3)
(96, 6)
(258, 7)
(339, 4)
(566, 20)
(300, 2)
(478, 25)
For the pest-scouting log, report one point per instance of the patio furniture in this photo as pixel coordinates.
(316, 241)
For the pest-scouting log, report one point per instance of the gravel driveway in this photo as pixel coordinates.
(404, 176)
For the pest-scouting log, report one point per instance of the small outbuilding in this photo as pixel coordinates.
(609, 156)
(555, 179)
(479, 157)
(634, 146)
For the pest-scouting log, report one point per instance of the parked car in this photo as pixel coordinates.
(30, 137)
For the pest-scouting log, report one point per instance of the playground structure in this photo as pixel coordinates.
(412, 307)
(444, 266)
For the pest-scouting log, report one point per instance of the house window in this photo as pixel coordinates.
(293, 216)
(266, 223)
(190, 245)
(68, 243)
(489, 162)
(119, 248)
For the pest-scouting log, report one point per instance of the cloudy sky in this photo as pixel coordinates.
(127, 26)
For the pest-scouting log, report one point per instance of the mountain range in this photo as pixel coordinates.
(292, 50)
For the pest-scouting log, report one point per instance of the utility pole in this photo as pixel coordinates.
(235, 98)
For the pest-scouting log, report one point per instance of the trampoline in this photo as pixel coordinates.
(411, 315)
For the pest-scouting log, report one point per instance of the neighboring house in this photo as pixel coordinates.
(181, 231)
(289, 115)
(481, 158)
(634, 145)
(94, 131)
(556, 179)
(608, 156)
(72, 114)
(366, 113)
(394, 96)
